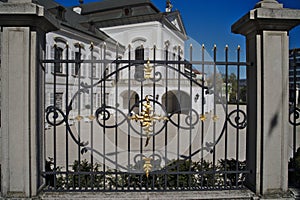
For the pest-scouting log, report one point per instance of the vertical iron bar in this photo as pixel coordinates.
(91, 112)
(226, 112)
(79, 124)
(116, 115)
(203, 114)
(156, 99)
(166, 130)
(57, 62)
(128, 140)
(141, 110)
(178, 117)
(190, 110)
(104, 121)
(215, 116)
(238, 116)
(67, 114)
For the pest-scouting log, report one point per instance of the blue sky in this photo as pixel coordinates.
(209, 22)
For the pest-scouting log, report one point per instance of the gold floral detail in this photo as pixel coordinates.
(147, 118)
(79, 118)
(91, 117)
(203, 118)
(147, 166)
(148, 70)
(215, 118)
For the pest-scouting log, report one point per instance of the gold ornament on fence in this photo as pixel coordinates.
(147, 166)
(148, 70)
(147, 118)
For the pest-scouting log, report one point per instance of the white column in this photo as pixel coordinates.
(15, 109)
(21, 96)
(266, 29)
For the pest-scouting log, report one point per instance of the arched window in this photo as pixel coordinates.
(176, 102)
(131, 100)
(139, 68)
(58, 55)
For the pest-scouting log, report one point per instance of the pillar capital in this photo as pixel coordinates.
(267, 15)
(23, 13)
(269, 4)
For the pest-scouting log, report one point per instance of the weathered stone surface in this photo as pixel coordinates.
(242, 194)
(266, 29)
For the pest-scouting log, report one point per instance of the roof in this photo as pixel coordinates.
(71, 20)
(110, 13)
(106, 5)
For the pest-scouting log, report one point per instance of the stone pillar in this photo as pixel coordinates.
(266, 29)
(23, 26)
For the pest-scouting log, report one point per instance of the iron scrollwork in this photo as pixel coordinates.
(240, 121)
(294, 115)
(55, 112)
(103, 114)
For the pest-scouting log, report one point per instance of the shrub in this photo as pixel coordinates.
(294, 170)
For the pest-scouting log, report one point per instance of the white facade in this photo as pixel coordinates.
(177, 91)
(88, 73)
(150, 34)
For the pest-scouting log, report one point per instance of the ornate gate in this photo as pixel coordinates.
(294, 150)
(143, 125)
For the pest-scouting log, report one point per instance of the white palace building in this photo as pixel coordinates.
(136, 26)
(113, 30)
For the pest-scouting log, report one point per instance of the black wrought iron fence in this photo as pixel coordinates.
(135, 124)
(294, 162)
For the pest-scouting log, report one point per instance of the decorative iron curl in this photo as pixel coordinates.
(156, 79)
(156, 161)
(189, 119)
(240, 121)
(56, 111)
(103, 111)
(294, 115)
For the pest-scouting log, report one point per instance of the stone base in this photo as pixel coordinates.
(235, 194)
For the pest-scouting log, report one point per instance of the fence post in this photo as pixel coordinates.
(23, 27)
(266, 29)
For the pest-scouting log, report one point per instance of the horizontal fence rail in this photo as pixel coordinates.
(136, 124)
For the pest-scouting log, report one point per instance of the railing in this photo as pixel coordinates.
(170, 128)
(294, 162)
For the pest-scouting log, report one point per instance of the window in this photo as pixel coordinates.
(99, 99)
(77, 65)
(51, 99)
(105, 100)
(95, 100)
(83, 100)
(83, 72)
(56, 100)
(58, 56)
(52, 54)
(139, 68)
(94, 69)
